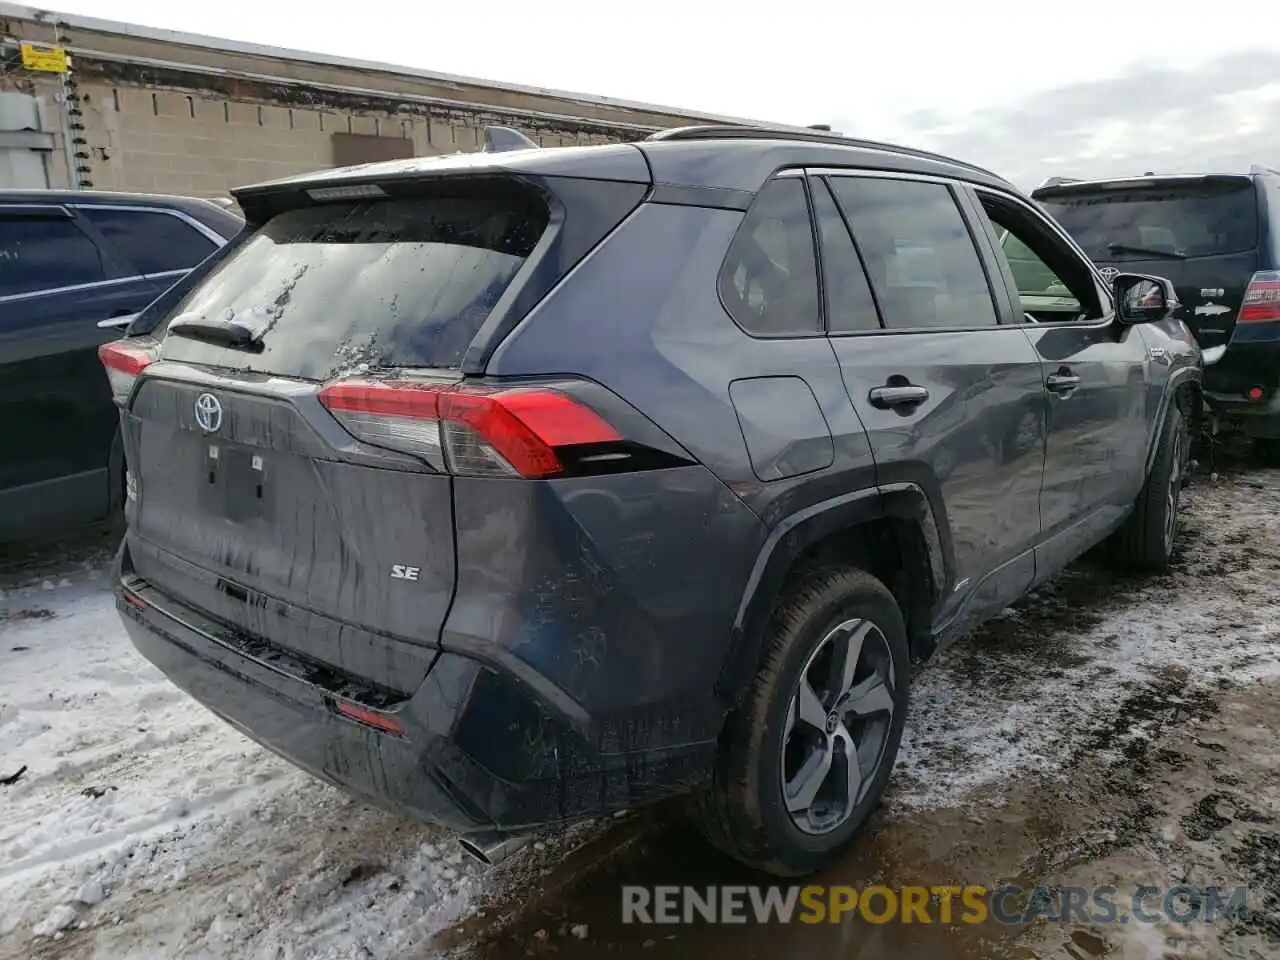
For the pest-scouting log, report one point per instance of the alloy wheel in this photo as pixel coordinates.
(837, 726)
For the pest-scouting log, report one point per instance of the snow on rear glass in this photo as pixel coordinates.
(369, 284)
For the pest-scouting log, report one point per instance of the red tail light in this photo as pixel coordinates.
(370, 718)
(1262, 298)
(123, 363)
(467, 430)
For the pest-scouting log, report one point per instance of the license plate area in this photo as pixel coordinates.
(235, 482)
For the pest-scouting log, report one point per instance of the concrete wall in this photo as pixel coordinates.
(166, 141)
(165, 112)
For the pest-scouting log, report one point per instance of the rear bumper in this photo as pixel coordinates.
(464, 712)
(1231, 413)
(1251, 360)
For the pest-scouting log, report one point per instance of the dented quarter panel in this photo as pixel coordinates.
(618, 622)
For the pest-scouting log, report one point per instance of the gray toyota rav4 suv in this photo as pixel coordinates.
(512, 489)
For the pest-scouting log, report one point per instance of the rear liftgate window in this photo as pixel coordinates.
(370, 284)
(1202, 220)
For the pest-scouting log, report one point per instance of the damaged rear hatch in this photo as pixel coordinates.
(253, 501)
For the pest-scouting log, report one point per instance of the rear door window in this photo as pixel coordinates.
(1179, 222)
(45, 253)
(923, 264)
(403, 282)
(850, 306)
(151, 241)
(769, 281)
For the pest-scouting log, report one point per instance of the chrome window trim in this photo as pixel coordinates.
(208, 232)
(885, 175)
(205, 231)
(92, 285)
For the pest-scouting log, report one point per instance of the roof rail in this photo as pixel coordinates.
(805, 134)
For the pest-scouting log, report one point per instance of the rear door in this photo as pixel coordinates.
(254, 504)
(1201, 233)
(952, 399)
(56, 415)
(158, 245)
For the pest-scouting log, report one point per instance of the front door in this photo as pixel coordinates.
(1095, 373)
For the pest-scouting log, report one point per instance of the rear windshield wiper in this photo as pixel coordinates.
(226, 333)
(1145, 251)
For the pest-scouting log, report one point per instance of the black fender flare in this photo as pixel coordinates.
(1180, 378)
(798, 531)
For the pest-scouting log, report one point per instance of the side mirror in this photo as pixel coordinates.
(1143, 299)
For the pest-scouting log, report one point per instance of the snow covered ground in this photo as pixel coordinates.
(144, 819)
(143, 826)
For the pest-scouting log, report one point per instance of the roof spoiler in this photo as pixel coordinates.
(503, 139)
(1056, 181)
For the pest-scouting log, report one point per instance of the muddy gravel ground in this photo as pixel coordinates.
(1107, 731)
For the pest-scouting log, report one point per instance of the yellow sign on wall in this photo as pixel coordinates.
(45, 59)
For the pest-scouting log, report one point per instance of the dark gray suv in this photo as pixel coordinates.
(511, 489)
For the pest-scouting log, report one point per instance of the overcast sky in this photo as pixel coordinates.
(1097, 87)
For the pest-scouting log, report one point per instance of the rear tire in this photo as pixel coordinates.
(116, 482)
(833, 690)
(1146, 541)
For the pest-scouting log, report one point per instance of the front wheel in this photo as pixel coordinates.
(1146, 540)
(806, 757)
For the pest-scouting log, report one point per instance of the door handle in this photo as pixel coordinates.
(1062, 383)
(117, 321)
(888, 398)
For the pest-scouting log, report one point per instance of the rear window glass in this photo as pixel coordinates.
(1176, 222)
(45, 253)
(151, 241)
(403, 282)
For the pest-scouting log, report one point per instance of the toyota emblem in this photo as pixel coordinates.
(1109, 273)
(208, 412)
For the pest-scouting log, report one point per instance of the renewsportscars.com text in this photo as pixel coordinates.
(935, 904)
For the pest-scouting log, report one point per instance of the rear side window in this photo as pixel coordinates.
(403, 282)
(769, 281)
(918, 250)
(45, 253)
(1202, 220)
(152, 242)
(850, 305)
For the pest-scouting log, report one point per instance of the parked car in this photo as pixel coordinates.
(514, 489)
(1217, 238)
(75, 267)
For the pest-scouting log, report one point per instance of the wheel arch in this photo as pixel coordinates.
(1184, 389)
(892, 532)
(116, 474)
